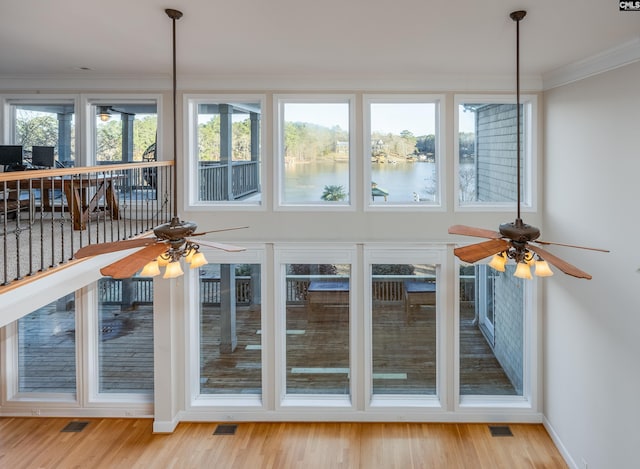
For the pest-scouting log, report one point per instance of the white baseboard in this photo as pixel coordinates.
(558, 442)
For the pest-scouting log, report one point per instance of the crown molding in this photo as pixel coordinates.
(610, 59)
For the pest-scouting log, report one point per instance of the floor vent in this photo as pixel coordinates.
(500, 430)
(75, 427)
(225, 430)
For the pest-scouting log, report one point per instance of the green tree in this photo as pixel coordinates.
(36, 129)
(333, 193)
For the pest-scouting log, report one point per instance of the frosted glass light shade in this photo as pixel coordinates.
(543, 269)
(163, 261)
(198, 260)
(151, 269)
(498, 262)
(189, 257)
(522, 270)
(173, 270)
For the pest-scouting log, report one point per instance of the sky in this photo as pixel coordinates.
(418, 118)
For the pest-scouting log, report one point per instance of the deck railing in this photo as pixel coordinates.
(384, 288)
(215, 183)
(47, 215)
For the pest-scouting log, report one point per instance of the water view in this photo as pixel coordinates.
(403, 182)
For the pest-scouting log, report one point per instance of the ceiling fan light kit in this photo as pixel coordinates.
(514, 240)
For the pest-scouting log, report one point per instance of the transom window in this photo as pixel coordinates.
(402, 146)
(486, 151)
(314, 151)
(224, 145)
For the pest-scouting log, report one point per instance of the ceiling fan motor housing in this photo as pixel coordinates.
(175, 230)
(519, 231)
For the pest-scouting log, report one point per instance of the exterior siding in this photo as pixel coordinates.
(509, 327)
(496, 142)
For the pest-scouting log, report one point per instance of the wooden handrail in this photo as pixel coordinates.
(43, 173)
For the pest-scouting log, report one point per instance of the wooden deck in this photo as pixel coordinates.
(317, 352)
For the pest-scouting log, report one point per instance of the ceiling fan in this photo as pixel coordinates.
(516, 240)
(173, 240)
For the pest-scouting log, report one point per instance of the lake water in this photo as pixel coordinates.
(405, 182)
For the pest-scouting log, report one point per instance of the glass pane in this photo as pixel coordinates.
(228, 151)
(491, 345)
(317, 322)
(487, 142)
(126, 132)
(404, 328)
(125, 335)
(46, 125)
(230, 329)
(47, 348)
(403, 153)
(315, 153)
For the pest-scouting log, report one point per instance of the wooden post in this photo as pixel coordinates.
(226, 145)
(228, 338)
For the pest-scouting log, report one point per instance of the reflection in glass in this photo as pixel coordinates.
(47, 348)
(230, 329)
(491, 331)
(317, 328)
(404, 328)
(125, 335)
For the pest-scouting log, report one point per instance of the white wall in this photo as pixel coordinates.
(592, 328)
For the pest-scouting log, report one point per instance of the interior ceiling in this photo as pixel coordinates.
(304, 37)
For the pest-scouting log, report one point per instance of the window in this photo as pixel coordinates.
(404, 319)
(317, 329)
(314, 151)
(491, 359)
(230, 329)
(125, 131)
(225, 150)
(125, 335)
(487, 151)
(402, 148)
(49, 123)
(47, 348)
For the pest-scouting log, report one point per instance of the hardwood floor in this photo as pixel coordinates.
(27, 443)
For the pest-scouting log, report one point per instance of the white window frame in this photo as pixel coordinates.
(315, 254)
(440, 131)
(212, 405)
(529, 154)
(528, 403)
(279, 101)
(190, 144)
(91, 360)
(89, 104)
(408, 254)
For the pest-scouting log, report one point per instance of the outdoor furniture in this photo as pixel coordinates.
(418, 293)
(323, 293)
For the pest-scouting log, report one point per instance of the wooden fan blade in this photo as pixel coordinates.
(475, 252)
(222, 246)
(472, 231)
(218, 231)
(559, 263)
(129, 265)
(544, 243)
(104, 248)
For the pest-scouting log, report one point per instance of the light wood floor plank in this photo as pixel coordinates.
(27, 443)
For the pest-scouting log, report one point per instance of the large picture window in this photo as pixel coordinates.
(314, 152)
(402, 145)
(486, 151)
